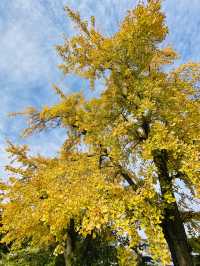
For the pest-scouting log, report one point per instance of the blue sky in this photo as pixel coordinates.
(30, 29)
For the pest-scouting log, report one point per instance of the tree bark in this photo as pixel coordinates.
(68, 252)
(70, 244)
(172, 224)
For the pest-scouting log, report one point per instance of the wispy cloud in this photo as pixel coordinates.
(184, 24)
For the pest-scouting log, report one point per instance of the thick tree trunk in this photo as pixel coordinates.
(172, 224)
(175, 236)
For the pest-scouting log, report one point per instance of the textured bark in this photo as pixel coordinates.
(172, 224)
(175, 236)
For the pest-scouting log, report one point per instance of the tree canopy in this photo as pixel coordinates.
(129, 166)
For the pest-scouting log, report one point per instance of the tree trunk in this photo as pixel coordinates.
(68, 252)
(70, 244)
(172, 224)
(175, 236)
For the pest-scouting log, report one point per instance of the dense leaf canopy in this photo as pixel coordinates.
(105, 175)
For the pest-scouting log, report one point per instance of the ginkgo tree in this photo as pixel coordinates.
(129, 166)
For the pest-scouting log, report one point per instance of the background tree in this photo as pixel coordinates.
(31, 257)
(129, 154)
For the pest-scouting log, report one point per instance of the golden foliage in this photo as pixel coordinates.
(112, 179)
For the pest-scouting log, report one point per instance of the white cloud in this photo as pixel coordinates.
(184, 21)
(26, 45)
